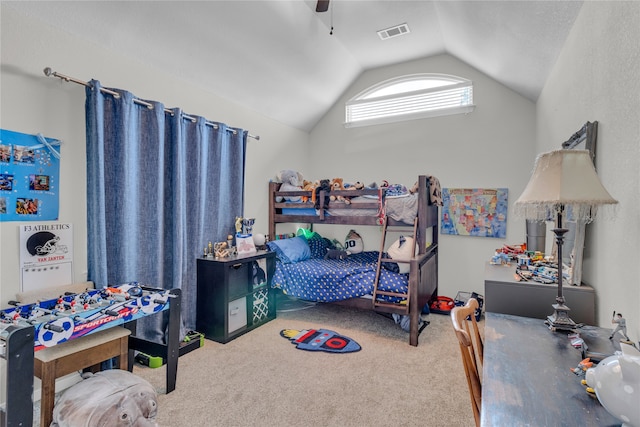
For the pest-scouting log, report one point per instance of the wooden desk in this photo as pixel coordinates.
(527, 379)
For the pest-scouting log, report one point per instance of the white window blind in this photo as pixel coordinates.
(454, 96)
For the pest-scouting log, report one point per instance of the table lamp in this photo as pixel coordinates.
(563, 181)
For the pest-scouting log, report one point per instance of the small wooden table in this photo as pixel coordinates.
(527, 378)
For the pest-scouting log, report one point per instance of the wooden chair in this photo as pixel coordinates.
(472, 349)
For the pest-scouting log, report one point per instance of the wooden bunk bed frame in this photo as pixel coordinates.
(423, 275)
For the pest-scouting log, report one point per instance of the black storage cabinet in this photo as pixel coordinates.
(234, 295)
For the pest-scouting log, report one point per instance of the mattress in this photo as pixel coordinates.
(329, 280)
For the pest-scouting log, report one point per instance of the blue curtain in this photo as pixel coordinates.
(159, 188)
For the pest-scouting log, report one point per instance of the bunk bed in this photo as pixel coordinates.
(371, 207)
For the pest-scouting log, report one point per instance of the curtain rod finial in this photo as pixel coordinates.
(48, 71)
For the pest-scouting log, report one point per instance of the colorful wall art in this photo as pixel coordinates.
(478, 212)
(29, 177)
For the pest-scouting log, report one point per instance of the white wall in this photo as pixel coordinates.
(489, 148)
(32, 103)
(597, 78)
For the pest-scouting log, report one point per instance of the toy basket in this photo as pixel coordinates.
(463, 297)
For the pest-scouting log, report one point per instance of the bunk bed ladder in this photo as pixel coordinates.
(377, 302)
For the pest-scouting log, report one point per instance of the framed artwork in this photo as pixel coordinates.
(480, 212)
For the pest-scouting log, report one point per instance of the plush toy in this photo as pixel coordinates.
(108, 398)
(310, 186)
(383, 184)
(337, 184)
(325, 185)
(336, 254)
(353, 242)
(414, 189)
(352, 187)
(291, 181)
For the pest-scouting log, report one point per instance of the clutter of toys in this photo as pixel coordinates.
(530, 265)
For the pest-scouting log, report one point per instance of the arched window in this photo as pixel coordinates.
(415, 96)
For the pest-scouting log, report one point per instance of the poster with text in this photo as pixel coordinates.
(478, 212)
(29, 177)
(46, 255)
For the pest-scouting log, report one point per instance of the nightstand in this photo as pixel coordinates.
(234, 295)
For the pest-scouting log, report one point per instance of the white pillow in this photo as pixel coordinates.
(403, 249)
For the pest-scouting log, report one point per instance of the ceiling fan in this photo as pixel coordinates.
(322, 6)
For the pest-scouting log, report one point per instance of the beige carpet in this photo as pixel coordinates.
(261, 379)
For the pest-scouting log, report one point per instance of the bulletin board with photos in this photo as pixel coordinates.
(29, 177)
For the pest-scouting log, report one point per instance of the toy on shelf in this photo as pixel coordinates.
(500, 258)
(535, 256)
(508, 253)
(221, 250)
(512, 251)
(247, 226)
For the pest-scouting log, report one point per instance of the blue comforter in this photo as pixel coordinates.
(328, 280)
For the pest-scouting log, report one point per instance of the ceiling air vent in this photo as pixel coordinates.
(398, 30)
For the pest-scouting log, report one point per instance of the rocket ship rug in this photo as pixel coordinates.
(320, 340)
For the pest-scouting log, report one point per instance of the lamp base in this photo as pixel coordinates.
(560, 319)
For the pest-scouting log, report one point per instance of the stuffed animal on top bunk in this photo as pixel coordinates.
(351, 187)
(354, 185)
(383, 184)
(291, 181)
(337, 184)
(325, 185)
(310, 186)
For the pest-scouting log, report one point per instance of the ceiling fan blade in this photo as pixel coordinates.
(322, 6)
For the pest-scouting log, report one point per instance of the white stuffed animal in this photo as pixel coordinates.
(616, 381)
(291, 181)
(109, 398)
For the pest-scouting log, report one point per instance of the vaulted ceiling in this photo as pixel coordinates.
(279, 58)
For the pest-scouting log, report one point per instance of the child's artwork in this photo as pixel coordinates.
(29, 177)
(474, 212)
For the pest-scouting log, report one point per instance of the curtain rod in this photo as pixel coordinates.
(49, 72)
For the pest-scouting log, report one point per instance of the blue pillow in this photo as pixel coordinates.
(290, 250)
(318, 245)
